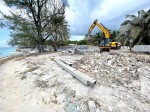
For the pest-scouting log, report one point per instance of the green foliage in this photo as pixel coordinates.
(113, 35)
(67, 42)
(22, 34)
(95, 39)
(22, 41)
(36, 21)
(1, 25)
(59, 31)
(135, 30)
(82, 42)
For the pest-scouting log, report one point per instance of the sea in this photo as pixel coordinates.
(7, 51)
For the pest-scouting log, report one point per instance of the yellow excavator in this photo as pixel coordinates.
(105, 44)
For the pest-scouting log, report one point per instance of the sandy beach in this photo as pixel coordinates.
(38, 84)
(23, 89)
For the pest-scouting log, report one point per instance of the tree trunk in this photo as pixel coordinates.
(55, 43)
(54, 46)
(55, 49)
(40, 46)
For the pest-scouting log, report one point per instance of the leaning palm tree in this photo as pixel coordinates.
(136, 29)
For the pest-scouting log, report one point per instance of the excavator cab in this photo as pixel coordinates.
(104, 45)
(105, 42)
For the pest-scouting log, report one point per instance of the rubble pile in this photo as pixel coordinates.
(89, 49)
(46, 86)
(113, 69)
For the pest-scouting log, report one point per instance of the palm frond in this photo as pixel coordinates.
(130, 16)
(125, 22)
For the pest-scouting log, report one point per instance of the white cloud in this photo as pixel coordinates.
(81, 13)
(74, 37)
(111, 13)
(4, 8)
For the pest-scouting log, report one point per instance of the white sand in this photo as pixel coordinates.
(38, 84)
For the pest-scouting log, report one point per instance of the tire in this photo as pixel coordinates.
(107, 50)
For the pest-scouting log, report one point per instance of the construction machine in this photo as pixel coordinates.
(115, 45)
(105, 44)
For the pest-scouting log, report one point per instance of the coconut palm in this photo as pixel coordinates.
(59, 30)
(136, 29)
(113, 35)
(96, 38)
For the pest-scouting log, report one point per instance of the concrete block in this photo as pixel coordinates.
(145, 86)
(144, 74)
(86, 80)
(98, 110)
(92, 106)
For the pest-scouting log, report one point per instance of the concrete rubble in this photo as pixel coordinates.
(113, 69)
(83, 49)
(39, 83)
(92, 106)
(85, 79)
(141, 48)
(121, 70)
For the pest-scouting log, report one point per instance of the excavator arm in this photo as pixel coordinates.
(104, 45)
(100, 26)
(91, 28)
(106, 32)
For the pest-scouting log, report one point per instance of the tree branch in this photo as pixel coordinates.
(46, 38)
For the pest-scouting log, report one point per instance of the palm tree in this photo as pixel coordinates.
(59, 30)
(136, 29)
(113, 35)
(96, 38)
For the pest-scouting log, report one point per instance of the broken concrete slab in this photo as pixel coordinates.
(144, 73)
(108, 68)
(145, 86)
(67, 62)
(86, 80)
(98, 110)
(92, 106)
(114, 91)
(141, 48)
(46, 77)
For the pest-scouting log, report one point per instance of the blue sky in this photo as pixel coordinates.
(81, 14)
(111, 13)
(4, 37)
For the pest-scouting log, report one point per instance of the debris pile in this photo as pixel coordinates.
(88, 49)
(39, 81)
(113, 69)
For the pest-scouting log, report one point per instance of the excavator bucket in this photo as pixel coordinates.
(87, 37)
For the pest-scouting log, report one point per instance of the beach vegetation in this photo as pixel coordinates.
(32, 22)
